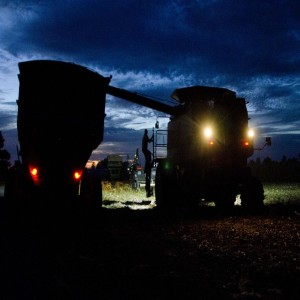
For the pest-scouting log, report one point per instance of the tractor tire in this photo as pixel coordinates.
(161, 188)
(166, 191)
(187, 195)
(252, 196)
(91, 192)
(225, 201)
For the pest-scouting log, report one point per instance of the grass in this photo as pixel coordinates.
(282, 193)
(120, 195)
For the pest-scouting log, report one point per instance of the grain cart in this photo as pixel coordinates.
(61, 110)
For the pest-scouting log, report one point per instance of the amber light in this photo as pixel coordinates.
(211, 142)
(77, 175)
(246, 143)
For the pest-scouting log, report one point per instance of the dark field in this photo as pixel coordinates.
(135, 253)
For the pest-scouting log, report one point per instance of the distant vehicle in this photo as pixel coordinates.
(114, 166)
(138, 178)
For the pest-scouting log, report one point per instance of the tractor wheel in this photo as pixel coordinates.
(252, 196)
(91, 191)
(165, 189)
(187, 195)
(225, 201)
(161, 189)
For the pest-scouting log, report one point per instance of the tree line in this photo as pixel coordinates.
(284, 170)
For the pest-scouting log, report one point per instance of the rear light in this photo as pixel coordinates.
(34, 173)
(77, 175)
(139, 168)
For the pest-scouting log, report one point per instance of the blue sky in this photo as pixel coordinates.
(154, 47)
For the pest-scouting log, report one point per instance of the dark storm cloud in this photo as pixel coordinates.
(98, 31)
(217, 36)
(257, 37)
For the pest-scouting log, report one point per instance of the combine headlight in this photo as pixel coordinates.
(208, 132)
(251, 133)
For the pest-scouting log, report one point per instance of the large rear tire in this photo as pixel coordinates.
(91, 191)
(161, 189)
(225, 201)
(252, 196)
(166, 189)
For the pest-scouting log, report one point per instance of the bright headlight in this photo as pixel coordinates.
(207, 132)
(250, 133)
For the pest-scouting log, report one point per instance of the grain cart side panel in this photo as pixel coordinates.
(61, 110)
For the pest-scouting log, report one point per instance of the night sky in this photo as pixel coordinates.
(154, 47)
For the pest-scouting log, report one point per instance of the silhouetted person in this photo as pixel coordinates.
(145, 149)
(146, 140)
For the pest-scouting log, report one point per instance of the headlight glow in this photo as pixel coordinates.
(208, 132)
(250, 133)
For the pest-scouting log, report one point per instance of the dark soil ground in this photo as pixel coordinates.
(127, 254)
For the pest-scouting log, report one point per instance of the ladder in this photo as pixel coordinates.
(160, 143)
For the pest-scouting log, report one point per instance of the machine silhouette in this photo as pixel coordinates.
(61, 111)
